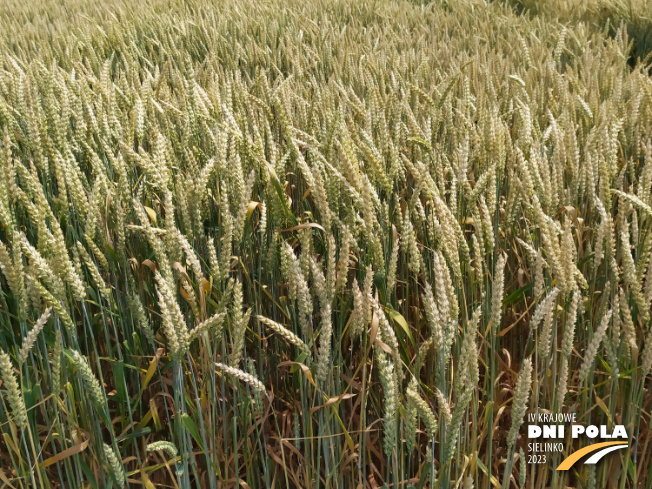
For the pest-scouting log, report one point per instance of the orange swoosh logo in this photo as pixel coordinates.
(575, 456)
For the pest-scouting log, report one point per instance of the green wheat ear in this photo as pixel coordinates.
(164, 446)
(13, 391)
(115, 464)
(520, 400)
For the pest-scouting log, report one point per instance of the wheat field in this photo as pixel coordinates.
(322, 243)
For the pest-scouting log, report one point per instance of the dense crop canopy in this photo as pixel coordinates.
(320, 243)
